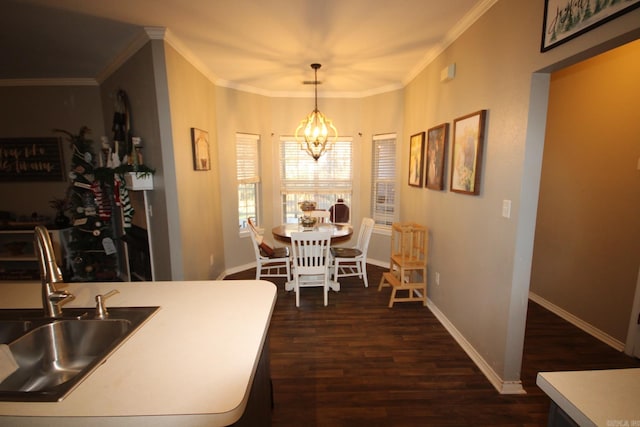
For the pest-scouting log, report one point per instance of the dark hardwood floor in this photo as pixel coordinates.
(358, 363)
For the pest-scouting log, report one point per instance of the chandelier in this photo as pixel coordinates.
(313, 133)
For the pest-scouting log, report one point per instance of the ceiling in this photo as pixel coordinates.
(262, 46)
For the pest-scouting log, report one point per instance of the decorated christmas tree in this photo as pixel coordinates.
(92, 252)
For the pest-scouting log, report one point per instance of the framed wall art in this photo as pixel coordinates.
(31, 160)
(567, 19)
(200, 141)
(466, 155)
(437, 138)
(416, 159)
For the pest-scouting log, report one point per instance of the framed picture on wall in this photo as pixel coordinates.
(416, 159)
(567, 19)
(466, 155)
(200, 141)
(31, 159)
(436, 149)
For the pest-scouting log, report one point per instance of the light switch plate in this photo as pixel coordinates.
(506, 208)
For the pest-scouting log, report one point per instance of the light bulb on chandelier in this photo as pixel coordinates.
(316, 133)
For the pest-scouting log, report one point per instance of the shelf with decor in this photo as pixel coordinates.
(17, 255)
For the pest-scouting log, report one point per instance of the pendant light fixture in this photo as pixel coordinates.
(316, 133)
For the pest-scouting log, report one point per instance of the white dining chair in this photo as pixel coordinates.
(310, 259)
(270, 261)
(323, 216)
(346, 262)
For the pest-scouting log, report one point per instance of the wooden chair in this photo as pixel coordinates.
(408, 270)
(310, 258)
(352, 261)
(270, 262)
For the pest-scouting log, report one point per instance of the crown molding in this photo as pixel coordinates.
(452, 35)
(136, 44)
(49, 82)
(189, 56)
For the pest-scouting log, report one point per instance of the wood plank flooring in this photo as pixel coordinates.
(358, 363)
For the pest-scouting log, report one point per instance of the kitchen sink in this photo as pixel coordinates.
(55, 355)
(12, 329)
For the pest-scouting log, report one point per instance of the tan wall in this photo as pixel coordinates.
(192, 99)
(587, 243)
(272, 118)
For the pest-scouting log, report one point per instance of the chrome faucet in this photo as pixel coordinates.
(52, 298)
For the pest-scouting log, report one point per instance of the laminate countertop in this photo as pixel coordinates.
(191, 364)
(608, 397)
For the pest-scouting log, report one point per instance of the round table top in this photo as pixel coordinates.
(339, 232)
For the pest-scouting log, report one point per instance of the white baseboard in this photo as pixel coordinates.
(237, 269)
(378, 263)
(576, 321)
(503, 387)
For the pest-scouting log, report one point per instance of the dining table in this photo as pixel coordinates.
(340, 232)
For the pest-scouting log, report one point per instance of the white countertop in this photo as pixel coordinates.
(608, 397)
(194, 358)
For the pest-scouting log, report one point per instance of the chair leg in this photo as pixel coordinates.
(393, 296)
(326, 290)
(364, 273)
(296, 287)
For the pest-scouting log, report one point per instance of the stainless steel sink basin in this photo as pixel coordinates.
(55, 355)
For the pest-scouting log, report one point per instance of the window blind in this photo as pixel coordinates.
(332, 172)
(247, 159)
(383, 179)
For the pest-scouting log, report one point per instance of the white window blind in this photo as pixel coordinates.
(323, 181)
(383, 188)
(248, 177)
(247, 160)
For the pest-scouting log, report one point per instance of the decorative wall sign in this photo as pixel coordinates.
(466, 157)
(31, 159)
(416, 159)
(567, 19)
(200, 141)
(436, 150)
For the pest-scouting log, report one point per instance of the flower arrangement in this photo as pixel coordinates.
(307, 206)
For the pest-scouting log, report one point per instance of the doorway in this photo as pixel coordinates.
(587, 237)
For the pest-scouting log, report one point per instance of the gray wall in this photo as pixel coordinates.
(484, 260)
(136, 77)
(34, 111)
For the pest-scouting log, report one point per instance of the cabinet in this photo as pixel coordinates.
(18, 259)
(408, 270)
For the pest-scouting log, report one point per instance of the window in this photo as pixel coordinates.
(248, 175)
(383, 180)
(324, 181)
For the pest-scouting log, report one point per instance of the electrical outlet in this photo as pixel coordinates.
(437, 278)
